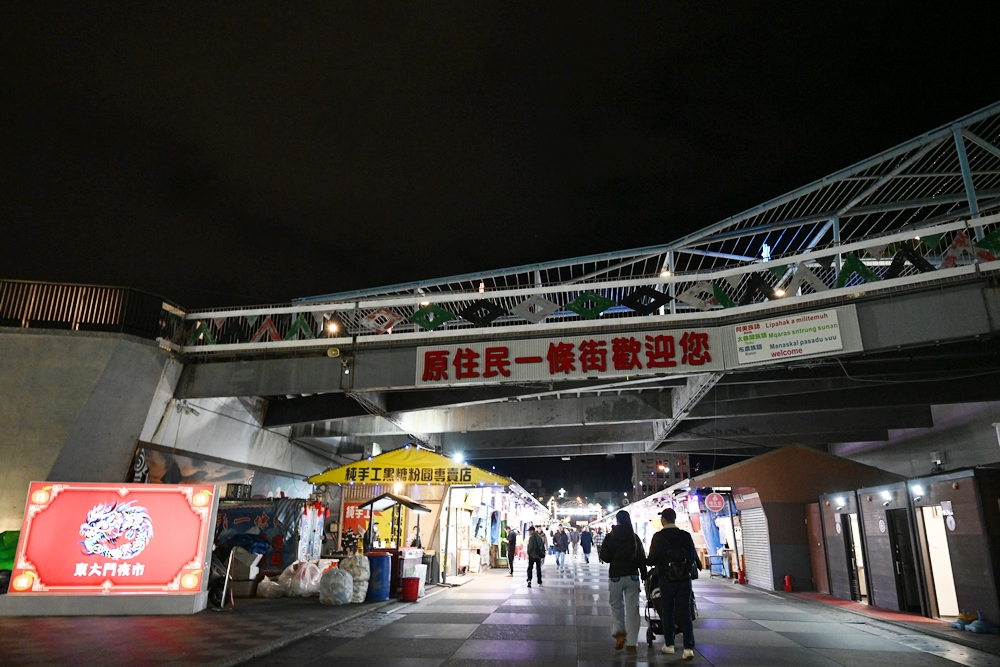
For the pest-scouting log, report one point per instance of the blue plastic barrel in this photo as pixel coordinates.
(378, 585)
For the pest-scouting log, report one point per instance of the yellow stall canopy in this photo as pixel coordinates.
(409, 465)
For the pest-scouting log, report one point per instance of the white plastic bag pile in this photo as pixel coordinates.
(359, 569)
(336, 587)
(297, 580)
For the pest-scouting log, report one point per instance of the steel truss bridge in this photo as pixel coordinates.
(904, 244)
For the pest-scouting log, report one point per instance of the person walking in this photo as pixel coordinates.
(511, 548)
(536, 552)
(672, 552)
(586, 542)
(598, 539)
(561, 543)
(623, 551)
(574, 540)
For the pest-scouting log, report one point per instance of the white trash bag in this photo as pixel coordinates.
(305, 581)
(268, 588)
(336, 587)
(357, 566)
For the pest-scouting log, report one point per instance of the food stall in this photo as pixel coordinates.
(467, 508)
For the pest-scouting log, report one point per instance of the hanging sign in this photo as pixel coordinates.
(715, 502)
(114, 539)
(788, 337)
(597, 356)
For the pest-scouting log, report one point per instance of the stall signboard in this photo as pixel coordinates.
(803, 335)
(594, 356)
(409, 465)
(114, 539)
(715, 502)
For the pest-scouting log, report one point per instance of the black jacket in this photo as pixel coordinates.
(511, 540)
(668, 539)
(625, 559)
(560, 541)
(535, 548)
(586, 540)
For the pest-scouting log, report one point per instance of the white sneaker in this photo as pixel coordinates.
(688, 654)
(669, 650)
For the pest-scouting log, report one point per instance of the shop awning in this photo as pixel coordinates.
(409, 465)
(387, 500)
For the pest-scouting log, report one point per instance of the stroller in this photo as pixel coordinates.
(655, 620)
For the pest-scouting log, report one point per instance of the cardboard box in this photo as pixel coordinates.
(244, 589)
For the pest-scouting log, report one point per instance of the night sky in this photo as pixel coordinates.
(245, 154)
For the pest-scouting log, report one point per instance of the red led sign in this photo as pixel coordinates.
(114, 539)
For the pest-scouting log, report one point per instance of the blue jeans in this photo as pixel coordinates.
(560, 558)
(676, 594)
(624, 601)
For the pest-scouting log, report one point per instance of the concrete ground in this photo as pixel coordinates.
(494, 620)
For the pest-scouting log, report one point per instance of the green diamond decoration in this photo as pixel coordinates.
(722, 297)
(597, 305)
(991, 241)
(430, 317)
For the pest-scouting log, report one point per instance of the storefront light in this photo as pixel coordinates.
(917, 491)
(840, 503)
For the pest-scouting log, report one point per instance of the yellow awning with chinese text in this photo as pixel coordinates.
(409, 465)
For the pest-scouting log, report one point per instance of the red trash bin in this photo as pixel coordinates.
(411, 587)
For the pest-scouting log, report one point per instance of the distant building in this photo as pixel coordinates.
(655, 471)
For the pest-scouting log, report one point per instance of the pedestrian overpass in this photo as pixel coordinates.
(673, 347)
(841, 314)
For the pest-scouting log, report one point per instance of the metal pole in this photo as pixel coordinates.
(447, 539)
(732, 525)
(970, 188)
(670, 267)
(836, 241)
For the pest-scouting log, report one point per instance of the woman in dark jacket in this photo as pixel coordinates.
(623, 550)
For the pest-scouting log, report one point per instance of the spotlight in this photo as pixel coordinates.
(665, 273)
(779, 292)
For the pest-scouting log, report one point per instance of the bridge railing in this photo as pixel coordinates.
(43, 305)
(901, 260)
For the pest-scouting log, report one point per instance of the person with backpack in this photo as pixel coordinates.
(536, 552)
(623, 551)
(672, 552)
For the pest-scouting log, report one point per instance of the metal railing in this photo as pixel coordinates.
(910, 216)
(39, 305)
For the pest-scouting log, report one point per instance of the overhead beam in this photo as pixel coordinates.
(984, 387)
(832, 421)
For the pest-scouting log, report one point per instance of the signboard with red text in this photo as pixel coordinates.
(114, 539)
(597, 356)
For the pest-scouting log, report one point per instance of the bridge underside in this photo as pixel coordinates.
(922, 349)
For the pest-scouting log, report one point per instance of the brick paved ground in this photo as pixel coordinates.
(207, 638)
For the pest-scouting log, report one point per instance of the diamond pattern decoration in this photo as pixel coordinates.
(483, 312)
(381, 320)
(431, 316)
(535, 309)
(597, 305)
(645, 300)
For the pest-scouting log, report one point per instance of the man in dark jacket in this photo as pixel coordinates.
(623, 550)
(536, 552)
(672, 552)
(586, 542)
(561, 542)
(511, 548)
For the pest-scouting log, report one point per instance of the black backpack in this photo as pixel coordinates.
(678, 565)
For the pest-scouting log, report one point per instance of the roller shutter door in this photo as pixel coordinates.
(757, 548)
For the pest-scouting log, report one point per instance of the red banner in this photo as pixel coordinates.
(114, 539)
